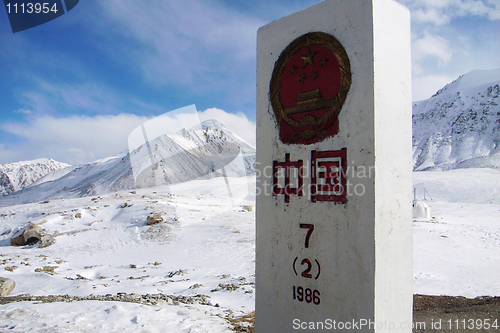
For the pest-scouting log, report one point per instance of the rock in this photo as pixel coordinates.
(32, 235)
(119, 297)
(92, 223)
(126, 204)
(78, 215)
(6, 286)
(155, 219)
(246, 208)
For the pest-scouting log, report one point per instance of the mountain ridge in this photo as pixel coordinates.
(18, 175)
(205, 150)
(459, 126)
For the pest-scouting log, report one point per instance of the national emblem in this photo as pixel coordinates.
(309, 85)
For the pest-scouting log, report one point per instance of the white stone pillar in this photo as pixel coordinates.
(334, 184)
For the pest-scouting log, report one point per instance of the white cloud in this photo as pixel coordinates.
(74, 139)
(431, 15)
(427, 85)
(488, 8)
(430, 46)
(238, 123)
(80, 139)
(190, 43)
(49, 97)
(440, 12)
(23, 111)
(8, 155)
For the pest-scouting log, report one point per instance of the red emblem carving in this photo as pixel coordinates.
(309, 85)
(287, 190)
(328, 176)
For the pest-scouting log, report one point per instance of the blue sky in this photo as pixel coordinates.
(74, 88)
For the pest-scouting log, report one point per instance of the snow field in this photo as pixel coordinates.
(206, 246)
(457, 252)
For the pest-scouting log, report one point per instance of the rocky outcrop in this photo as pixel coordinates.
(154, 219)
(31, 235)
(6, 286)
(459, 126)
(149, 299)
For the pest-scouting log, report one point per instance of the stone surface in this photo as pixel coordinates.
(6, 286)
(149, 299)
(31, 235)
(349, 260)
(154, 219)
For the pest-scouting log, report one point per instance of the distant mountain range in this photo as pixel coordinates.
(16, 176)
(459, 127)
(207, 151)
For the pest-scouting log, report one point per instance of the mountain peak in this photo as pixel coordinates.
(460, 125)
(213, 124)
(474, 79)
(18, 175)
(197, 153)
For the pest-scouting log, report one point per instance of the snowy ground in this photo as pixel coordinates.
(207, 247)
(458, 251)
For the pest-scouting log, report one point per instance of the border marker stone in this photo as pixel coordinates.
(334, 182)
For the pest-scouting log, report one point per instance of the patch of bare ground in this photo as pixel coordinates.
(443, 314)
(245, 323)
(455, 314)
(431, 314)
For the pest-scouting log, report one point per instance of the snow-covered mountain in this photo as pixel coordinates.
(459, 127)
(18, 175)
(198, 153)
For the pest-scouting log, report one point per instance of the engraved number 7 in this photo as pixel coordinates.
(309, 232)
